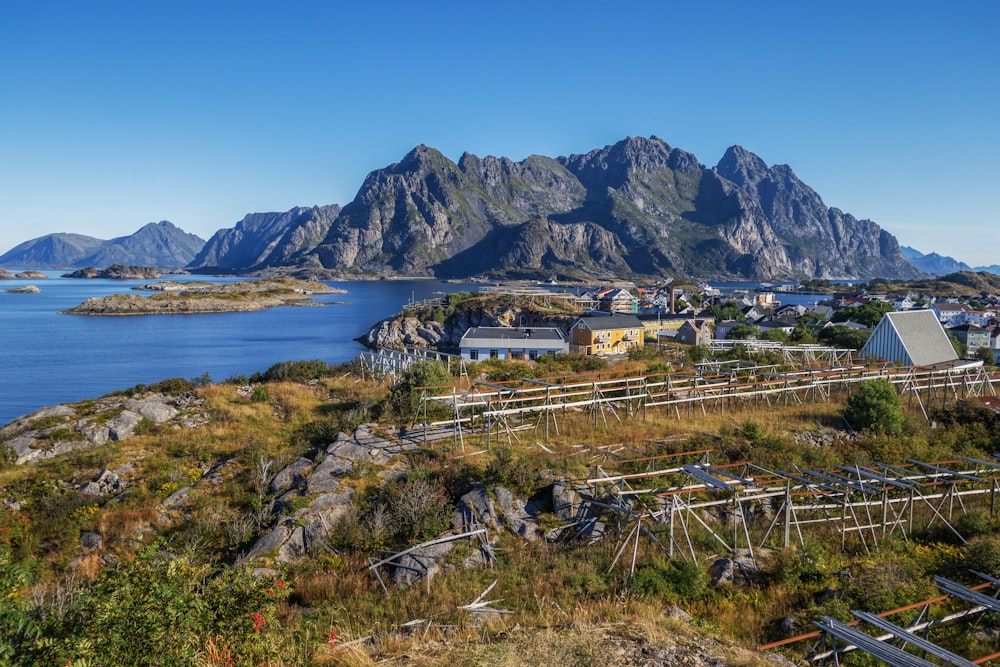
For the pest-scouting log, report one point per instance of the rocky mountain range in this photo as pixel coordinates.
(159, 244)
(266, 240)
(638, 208)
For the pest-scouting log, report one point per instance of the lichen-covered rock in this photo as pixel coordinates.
(123, 425)
(292, 475)
(476, 506)
(154, 407)
(516, 515)
(739, 569)
(420, 563)
(271, 542)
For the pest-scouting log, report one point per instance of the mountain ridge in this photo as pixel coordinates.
(639, 207)
(159, 244)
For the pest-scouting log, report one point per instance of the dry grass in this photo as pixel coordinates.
(609, 633)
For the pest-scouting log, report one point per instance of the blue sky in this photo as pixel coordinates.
(115, 114)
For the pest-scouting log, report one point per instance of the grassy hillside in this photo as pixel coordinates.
(158, 572)
(962, 283)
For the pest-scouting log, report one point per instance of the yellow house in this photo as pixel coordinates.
(606, 335)
(654, 324)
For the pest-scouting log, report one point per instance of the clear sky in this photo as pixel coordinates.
(115, 114)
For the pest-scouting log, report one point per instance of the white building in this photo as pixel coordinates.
(910, 338)
(524, 343)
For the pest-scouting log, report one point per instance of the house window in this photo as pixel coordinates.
(532, 354)
(494, 354)
(474, 354)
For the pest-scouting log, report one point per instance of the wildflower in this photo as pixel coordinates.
(258, 621)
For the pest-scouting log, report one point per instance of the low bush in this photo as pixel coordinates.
(671, 579)
(294, 371)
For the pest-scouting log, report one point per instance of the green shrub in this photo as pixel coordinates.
(888, 583)
(146, 426)
(671, 578)
(509, 470)
(404, 397)
(645, 353)
(983, 555)
(875, 407)
(294, 371)
(974, 523)
(173, 386)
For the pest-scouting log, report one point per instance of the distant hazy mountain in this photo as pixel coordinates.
(159, 244)
(636, 208)
(263, 240)
(933, 263)
(53, 250)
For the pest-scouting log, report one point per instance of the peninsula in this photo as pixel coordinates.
(174, 298)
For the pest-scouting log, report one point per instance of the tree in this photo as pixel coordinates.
(960, 349)
(844, 337)
(802, 335)
(875, 408)
(868, 314)
(986, 355)
(730, 310)
(743, 331)
(777, 335)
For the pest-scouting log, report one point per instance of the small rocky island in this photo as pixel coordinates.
(116, 272)
(7, 275)
(207, 297)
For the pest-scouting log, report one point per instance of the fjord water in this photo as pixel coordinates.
(47, 358)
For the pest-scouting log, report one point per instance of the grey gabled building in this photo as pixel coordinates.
(910, 338)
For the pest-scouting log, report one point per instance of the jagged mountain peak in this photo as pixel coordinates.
(421, 158)
(742, 166)
(615, 165)
(747, 169)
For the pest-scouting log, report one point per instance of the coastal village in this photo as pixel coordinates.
(620, 318)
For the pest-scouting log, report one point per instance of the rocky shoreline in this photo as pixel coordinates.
(205, 297)
(407, 330)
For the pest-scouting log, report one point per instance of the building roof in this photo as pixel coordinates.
(919, 332)
(534, 335)
(608, 323)
(949, 307)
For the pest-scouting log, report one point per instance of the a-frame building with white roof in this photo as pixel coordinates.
(910, 338)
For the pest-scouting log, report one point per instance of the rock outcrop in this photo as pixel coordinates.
(402, 330)
(56, 430)
(115, 272)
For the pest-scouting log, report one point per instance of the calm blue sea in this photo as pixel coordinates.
(47, 358)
